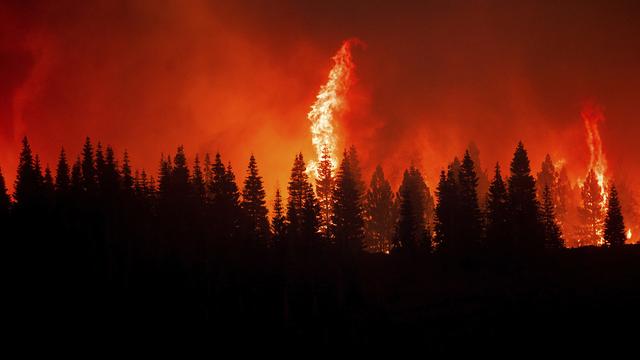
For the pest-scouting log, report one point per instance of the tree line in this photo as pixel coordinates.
(202, 205)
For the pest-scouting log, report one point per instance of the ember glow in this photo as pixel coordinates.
(329, 102)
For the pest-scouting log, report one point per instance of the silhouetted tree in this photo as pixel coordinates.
(278, 224)
(592, 212)
(567, 204)
(27, 185)
(614, 229)
(527, 229)
(253, 204)
(448, 234)
(198, 180)
(77, 186)
(5, 201)
(109, 175)
(127, 179)
(48, 188)
(470, 221)
(483, 177)
(348, 214)
(63, 180)
(380, 213)
(547, 177)
(325, 186)
(411, 231)
(498, 229)
(302, 208)
(552, 233)
(88, 168)
(100, 164)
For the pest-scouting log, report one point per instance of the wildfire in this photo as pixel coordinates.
(628, 234)
(329, 101)
(592, 115)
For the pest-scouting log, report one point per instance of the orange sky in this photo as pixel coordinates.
(239, 77)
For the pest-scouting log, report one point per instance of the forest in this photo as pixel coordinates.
(95, 243)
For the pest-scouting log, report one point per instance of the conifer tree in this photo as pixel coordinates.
(614, 229)
(88, 167)
(591, 212)
(325, 186)
(527, 230)
(254, 205)
(27, 185)
(552, 233)
(470, 222)
(348, 213)
(448, 233)
(411, 232)
(498, 229)
(302, 209)
(547, 177)
(63, 180)
(100, 165)
(198, 180)
(110, 175)
(127, 179)
(5, 201)
(380, 214)
(278, 223)
(47, 185)
(180, 174)
(76, 184)
(483, 178)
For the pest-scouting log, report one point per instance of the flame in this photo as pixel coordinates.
(329, 101)
(629, 234)
(592, 115)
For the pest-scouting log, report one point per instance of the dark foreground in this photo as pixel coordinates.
(579, 297)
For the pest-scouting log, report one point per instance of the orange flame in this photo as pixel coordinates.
(329, 101)
(592, 115)
(629, 234)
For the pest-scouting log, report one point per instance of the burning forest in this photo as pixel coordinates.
(469, 182)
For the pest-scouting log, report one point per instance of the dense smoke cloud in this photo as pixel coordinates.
(240, 77)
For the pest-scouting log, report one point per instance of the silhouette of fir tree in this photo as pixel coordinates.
(63, 179)
(380, 213)
(614, 229)
(278, 223)
(127, 179)
(470, 220)
(100, 164)
(198, 180)
(547, 177)
(552, 233)
(76, 185)
(27, 185)
(498, 226)
(302, 207)
(527, 229)
(88, 168)
(411, 233)
(109, 175)
(254, 206)
(483, 178)
(348, 213)
(5, 201)
(325, 187)
(448, 234)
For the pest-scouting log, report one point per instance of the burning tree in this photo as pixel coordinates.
(591, 212)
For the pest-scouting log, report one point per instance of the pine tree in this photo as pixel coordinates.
(109, 175)
(278, 222)
(527, 229)
(614, 229)
(164, 177)
(498, 229)
(127, 179)
(301, 204)
(469, 217)
(88, 168)
(76, 184)
(591, 213)
(448, 233)
(63, 180)
(198, 180)
(48, 187)
(552, 233)
(348, 213)
(254, 205)
(5, 201)
(547, 177)
(567, 204)
(27, 185)
(325, 186)
(411, 232)
(380, 214)
(483, 178)
(100, 165)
